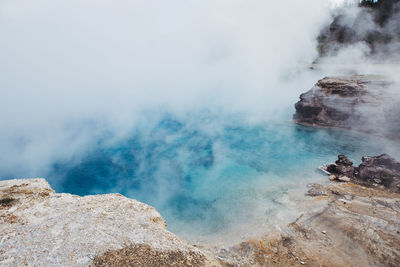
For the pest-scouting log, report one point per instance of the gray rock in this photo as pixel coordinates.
(381, 169)
(43, 228)
(343, 160)
(373, 171)
(342, 167)
(361, 103)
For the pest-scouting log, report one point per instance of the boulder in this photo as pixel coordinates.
(342, 167)
(331, 102)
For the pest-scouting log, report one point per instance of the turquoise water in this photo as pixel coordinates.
(210, 176)
(206, 177)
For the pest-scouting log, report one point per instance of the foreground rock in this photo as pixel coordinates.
(353, 226)
(356, 226)
(380, 170)
(41, 228)
(362, 103)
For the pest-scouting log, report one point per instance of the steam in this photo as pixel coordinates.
(367, 41)
(83, 75)
(74, 71)
(362, 35)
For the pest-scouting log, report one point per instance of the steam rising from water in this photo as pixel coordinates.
(138, 86)
(71, 70)
(242, 178)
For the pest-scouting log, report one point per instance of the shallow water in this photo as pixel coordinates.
(209, 181)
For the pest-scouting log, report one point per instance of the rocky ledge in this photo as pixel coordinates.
(42, 228)
(354, 224)
(362, 103)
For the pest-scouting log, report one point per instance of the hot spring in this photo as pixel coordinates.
(238, 179)
(125, 97)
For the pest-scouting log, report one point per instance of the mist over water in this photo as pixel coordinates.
(209, 185)
(183, 105)
(71, 70)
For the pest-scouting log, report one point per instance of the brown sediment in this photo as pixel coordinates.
(146, 256)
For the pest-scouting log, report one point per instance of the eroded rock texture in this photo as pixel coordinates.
(382, 170)
(363, 103)
(356, 226)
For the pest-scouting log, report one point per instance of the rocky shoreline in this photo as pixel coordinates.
(380, 171)
(357, 224)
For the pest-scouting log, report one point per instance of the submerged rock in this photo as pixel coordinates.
(361, 103)
(42, 228)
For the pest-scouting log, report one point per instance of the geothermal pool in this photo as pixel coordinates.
(215, 177)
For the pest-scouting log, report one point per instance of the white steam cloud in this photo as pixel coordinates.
(366, 41)
(362, 35)
(70, 70)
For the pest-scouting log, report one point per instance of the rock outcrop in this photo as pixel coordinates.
(362, 103)
(39, 227)
(380, 170)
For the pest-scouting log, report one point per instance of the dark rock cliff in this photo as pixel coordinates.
(374, 25)
(362, 103)
(380, 170)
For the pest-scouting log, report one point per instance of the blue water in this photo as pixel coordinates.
(204, 177)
